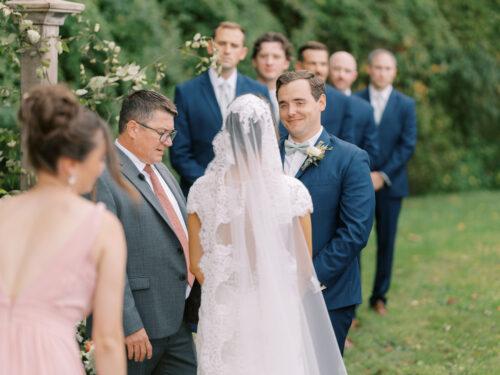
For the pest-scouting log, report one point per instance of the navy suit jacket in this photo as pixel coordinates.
(197, 123)
(397, 134)
(344, 202)
(365, 131)
(337, 117)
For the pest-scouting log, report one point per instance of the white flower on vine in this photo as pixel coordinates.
(133, 69)
(59, 47)
(6, 10)
(33, 36)
(96, 83)
(25, 24)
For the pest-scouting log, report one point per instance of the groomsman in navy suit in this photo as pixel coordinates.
(271, 56)
(337, 117)
(343, 73)
(338, 179)
(396, 121)
(202, 103)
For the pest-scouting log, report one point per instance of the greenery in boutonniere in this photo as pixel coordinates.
(315, 154)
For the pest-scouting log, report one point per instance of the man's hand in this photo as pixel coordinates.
(138, 346)
(377, 180)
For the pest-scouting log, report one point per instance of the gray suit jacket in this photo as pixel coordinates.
(156, 269)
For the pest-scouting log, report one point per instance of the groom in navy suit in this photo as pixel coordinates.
(337, 175)
(396, 121)
(202, 103)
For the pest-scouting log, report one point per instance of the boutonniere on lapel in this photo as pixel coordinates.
(315, 154)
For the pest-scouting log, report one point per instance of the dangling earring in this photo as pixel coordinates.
(72, 180)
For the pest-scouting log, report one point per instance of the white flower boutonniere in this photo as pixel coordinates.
(315, 154)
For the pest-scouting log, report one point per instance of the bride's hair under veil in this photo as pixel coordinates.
(263, 305)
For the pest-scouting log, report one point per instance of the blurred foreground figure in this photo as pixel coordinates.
(61, 256)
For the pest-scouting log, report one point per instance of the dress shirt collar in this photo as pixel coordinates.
(347, 92)
(217, 80)
(138, 163)
(385, 93)
(311, 141)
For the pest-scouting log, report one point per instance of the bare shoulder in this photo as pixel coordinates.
(13, 205)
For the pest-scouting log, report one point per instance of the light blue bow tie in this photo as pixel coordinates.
(291, 148)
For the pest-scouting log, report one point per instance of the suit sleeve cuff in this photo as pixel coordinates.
(132, 321)
(386, 178)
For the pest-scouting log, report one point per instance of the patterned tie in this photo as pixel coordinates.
(171, 215)
(291, 148)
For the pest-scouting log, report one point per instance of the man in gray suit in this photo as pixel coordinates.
(158, 339)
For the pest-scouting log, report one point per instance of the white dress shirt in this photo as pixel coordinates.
(378, 100)
(225, 89)
(140, 168)
(347, 92)
(294, 161)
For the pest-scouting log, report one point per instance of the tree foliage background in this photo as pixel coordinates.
(447, 60)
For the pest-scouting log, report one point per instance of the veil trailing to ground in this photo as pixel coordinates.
(262, 308)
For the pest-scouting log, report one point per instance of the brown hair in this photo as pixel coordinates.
(229, 25)
(317, 85)
(55, 125)
(318, 46)
(140, 105)
(273, 37)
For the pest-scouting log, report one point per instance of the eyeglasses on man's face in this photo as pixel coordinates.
(164, 135)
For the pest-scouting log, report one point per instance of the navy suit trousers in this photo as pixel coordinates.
(341, 321)
(387, 211)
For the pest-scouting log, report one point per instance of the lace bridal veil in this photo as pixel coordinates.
(262, 308)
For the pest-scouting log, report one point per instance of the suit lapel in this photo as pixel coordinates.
(389, 107)
(129, 170)
(240, 85)
(282, 150)
(325, 138)
(209, 93)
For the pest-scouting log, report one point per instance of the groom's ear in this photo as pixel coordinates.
(322, 102)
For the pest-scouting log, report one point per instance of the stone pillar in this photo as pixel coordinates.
(48, 15)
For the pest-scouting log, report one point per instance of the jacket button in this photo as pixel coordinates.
(182, 277)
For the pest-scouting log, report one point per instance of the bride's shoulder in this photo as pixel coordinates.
(294, 183)
(299, 195)
(198, 193)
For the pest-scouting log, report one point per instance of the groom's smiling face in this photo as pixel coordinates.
(299, 110)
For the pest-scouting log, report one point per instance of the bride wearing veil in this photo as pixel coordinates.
(262, 311)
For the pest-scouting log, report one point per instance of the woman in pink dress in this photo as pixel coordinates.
(61, 256)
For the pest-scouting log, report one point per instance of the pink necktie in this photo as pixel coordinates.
(171, 215)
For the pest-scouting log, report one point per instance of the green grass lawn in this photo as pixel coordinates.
(444, 305)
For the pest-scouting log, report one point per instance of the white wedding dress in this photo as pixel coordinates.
(262, 310)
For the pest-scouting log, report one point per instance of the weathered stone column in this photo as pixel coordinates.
(47, 15)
